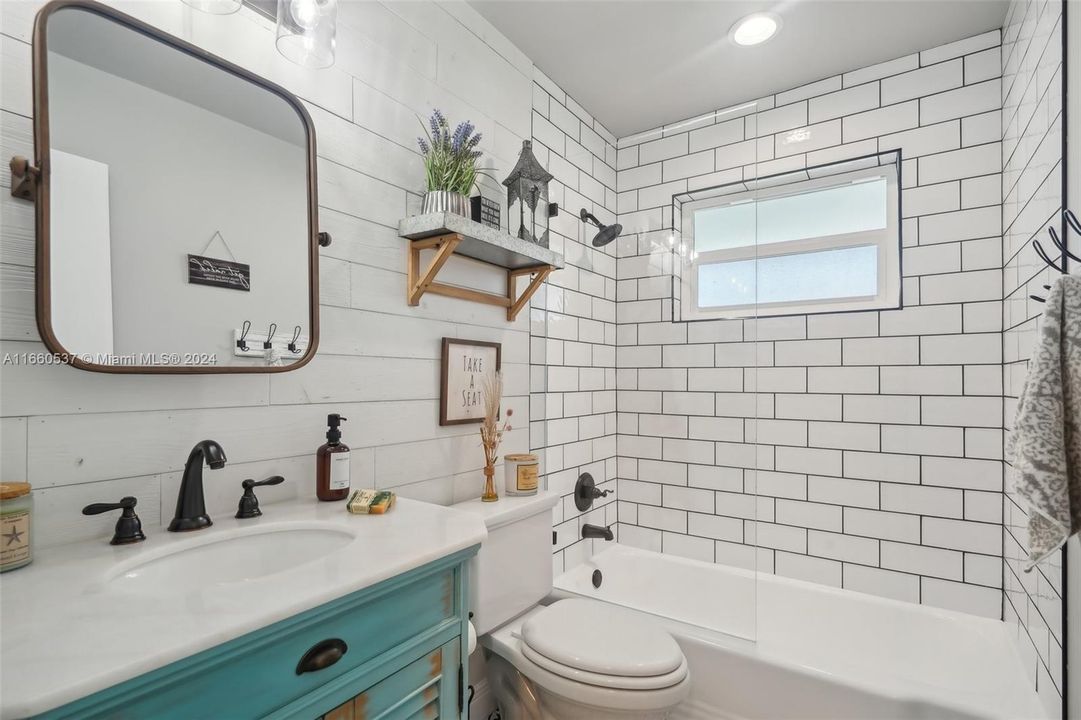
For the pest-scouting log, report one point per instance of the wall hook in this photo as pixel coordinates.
(1072, 220)
(267, 344)
(24, 178)
(1064, 252)
(1061, 245)
(324, 239)
(242, 343)
(1037, 298)
(293, 343)
(1053, 264)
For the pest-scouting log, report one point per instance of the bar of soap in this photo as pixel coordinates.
(370, 502)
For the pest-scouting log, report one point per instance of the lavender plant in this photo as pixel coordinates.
(450, 158)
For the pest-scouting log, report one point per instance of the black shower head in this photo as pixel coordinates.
(606, 233)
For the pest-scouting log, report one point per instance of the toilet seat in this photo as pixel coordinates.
(599, 644)
(616, 682)
(506, 643)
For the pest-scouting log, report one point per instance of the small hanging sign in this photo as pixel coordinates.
(204, 270)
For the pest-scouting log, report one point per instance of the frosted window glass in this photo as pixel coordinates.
(821, 275)
(856, 207)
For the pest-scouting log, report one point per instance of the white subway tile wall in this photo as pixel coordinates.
(1031, 132)
(573, 324)
(850, 428)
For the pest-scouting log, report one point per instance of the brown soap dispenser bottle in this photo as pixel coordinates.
(332, 463)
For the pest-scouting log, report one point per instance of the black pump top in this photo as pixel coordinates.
(334, 434)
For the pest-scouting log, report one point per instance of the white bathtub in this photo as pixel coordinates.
(773, 648)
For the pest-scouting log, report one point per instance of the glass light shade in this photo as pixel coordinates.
(215, 7)
(306, 31)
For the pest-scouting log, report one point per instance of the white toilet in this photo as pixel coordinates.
(577, 659)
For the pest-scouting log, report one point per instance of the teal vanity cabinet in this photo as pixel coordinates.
(392, 651)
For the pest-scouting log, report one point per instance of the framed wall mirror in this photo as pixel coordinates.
(176, 203)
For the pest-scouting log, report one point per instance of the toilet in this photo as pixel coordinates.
(576, 659)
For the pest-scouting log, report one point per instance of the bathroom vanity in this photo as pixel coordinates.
(305, 612)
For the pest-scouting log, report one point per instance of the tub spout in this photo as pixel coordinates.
(597, 531)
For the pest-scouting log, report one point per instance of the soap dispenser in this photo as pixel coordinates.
(332, 463)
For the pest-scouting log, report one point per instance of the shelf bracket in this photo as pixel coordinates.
(540, 274)
(420, 283)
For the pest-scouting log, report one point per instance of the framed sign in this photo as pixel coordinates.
(219, 273)
(466, 366)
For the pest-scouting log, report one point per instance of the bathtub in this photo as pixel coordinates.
(770, 647)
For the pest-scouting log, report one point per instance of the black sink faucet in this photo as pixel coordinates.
(597, 531)
(190, 504)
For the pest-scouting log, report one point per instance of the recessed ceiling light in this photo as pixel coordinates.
(756, 28)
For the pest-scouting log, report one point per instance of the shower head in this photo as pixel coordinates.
(605, 233)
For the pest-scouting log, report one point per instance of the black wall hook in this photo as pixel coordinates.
(1064, 256)
(293, 343)
(1061, 245)
(242, 343)
(1072, 220)
(267, 344)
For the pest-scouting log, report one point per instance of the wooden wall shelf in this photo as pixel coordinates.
(449, 234)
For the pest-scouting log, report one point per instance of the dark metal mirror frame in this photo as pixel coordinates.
(35, 186)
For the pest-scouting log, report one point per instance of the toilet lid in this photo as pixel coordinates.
(599, 638)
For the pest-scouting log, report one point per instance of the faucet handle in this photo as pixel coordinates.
(249, 504)
(129, 529)
(272, 480)
(586, 491)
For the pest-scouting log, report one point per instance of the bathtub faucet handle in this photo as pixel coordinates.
(586, 491)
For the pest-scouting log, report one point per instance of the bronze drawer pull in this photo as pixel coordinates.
(322, 655)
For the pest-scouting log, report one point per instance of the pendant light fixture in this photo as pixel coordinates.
(306, 31)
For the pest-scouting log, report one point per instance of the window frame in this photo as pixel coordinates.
(888, 241)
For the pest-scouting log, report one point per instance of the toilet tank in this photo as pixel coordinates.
(513, 570)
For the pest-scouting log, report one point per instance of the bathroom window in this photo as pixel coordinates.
(812, 244)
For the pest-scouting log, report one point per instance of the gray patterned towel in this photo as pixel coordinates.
(1046, 441)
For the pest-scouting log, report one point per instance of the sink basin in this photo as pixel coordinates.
(236, 557)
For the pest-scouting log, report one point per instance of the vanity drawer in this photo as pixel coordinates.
(425, 689)
(257, 674)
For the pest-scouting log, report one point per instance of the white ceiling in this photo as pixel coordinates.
(639, 64)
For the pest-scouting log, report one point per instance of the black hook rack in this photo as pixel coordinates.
(293, 343)
(267, 344)
(1064, 254)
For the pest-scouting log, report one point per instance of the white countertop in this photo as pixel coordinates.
(65, 632)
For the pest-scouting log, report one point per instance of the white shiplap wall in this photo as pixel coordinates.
(81, 437)
(1032, 191)
(872, 440)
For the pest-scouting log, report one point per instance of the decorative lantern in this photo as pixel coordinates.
(527, 198)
